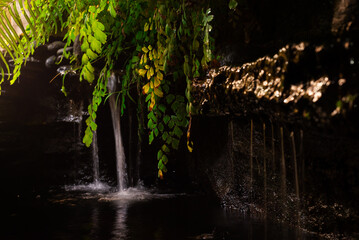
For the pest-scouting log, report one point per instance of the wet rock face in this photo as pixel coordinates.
(302, 82)
(41, 130)
(324, 163)
(276, 133)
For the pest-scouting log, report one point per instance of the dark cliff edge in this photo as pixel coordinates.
(276, 128)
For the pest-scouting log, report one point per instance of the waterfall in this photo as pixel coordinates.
(120, 153)
(96, 168)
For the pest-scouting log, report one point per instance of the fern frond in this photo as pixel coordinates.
(17, 33)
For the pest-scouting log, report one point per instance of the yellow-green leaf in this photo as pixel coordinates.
(147, 67)
(85, 59)
(149, 47)
(153, 101)
(141, 60)
(144, 49)
(146, 27)
(91, 54)
(156, 82)
(160, 75)
(190, 148)
(142, 72)
(160, 174)
(158, 92)
(146, 88)
(96, 45)
(148, 75)
(101, 36)
(145, 58)
(152, 71)
(90, 67)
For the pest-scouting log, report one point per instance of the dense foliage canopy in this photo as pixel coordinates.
(152, 45)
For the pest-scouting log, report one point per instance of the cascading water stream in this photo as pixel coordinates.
(120, 152)
(96, 168)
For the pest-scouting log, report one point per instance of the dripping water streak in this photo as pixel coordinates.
(251, 156)
(283, 170)
(273, 148)
(120, 153)
(265, 168)
(301, 154)
(140, 119)
(295, 166)
(231, 147)
(79, 124)
(95, 159)
(131, 179)
(295, 176)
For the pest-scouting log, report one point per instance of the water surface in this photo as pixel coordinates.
(135, 214)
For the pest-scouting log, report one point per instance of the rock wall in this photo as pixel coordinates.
(276, 131)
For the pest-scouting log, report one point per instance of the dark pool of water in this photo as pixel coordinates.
(145, 216)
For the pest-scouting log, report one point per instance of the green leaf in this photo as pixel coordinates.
(92, 9)
(152, 116)
(159, 154)
(91, 54)
(155, 130)
(85, 45)
(93, 126)
(166, 119)
(165, 136)
(232, 4)
(209, 18)
(170, 98)
(100, 36)
(112, 10)
(164, 159)
(161, 127)
(150, 137)
(100, 26)
(186, 69)
(169, 140)
(139, 35)
(175, 143)
(165, 148)
(89, 76)
(95, 107)
(162, 108)
(84, 59)
(135, 59)
(90, 67)
(171, 123)
(160, 165)
(150, 124)
(95, 45)
(178, 132)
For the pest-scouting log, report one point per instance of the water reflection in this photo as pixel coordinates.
(119, 227)
(135, 214)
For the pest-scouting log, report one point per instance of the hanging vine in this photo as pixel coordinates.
(158, 45)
